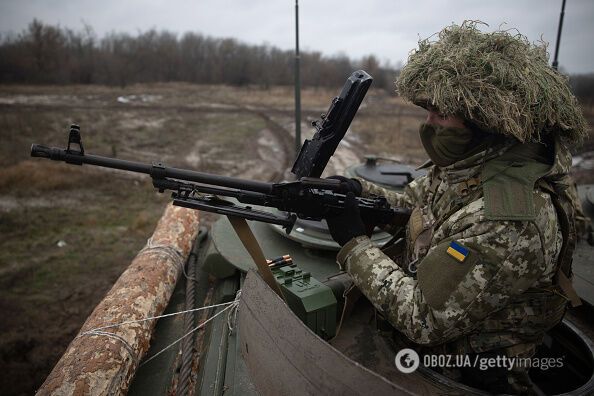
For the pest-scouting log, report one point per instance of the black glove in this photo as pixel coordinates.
(347, 185)
(348, 224)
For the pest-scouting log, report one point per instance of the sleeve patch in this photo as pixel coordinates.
(439, 276)
(457, 251)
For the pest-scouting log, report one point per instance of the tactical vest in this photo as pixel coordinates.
(519, 327)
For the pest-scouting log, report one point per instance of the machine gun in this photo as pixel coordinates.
(309, 198)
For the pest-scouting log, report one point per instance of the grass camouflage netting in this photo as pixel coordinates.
(499, 80)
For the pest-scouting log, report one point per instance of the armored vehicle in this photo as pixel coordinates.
(326, 338)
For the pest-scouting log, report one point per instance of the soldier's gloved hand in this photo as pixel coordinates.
(348, 224)
(347, 185)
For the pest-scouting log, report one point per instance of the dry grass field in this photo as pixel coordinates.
(67, 232)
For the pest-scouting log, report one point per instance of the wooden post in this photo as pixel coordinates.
(99, 364)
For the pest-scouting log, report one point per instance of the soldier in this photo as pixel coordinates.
(487, 262)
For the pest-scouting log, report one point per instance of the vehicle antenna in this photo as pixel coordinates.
(555, 60)
(298, 84)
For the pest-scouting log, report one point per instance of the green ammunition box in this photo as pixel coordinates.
(312, 301)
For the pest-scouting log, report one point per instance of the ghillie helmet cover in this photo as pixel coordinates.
(499, 81)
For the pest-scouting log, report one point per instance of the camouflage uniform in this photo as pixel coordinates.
(502, 297)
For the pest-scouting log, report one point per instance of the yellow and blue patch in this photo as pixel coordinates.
(457, 251)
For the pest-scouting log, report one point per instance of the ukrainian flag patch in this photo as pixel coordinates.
(457, 251)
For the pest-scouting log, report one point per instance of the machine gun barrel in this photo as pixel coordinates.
(156, 171)
(309, 197)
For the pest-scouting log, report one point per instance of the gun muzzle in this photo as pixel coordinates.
(56, 154)
(38, 150)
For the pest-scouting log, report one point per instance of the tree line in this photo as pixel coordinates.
(46, 54)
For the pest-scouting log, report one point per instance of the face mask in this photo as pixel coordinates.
(446, 145)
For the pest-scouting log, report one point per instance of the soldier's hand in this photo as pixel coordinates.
(348, 224)
(347, 185)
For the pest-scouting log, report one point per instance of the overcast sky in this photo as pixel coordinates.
(388, 29)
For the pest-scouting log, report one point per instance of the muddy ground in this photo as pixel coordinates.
(67, 232)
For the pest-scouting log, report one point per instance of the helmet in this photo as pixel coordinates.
(497, 81)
